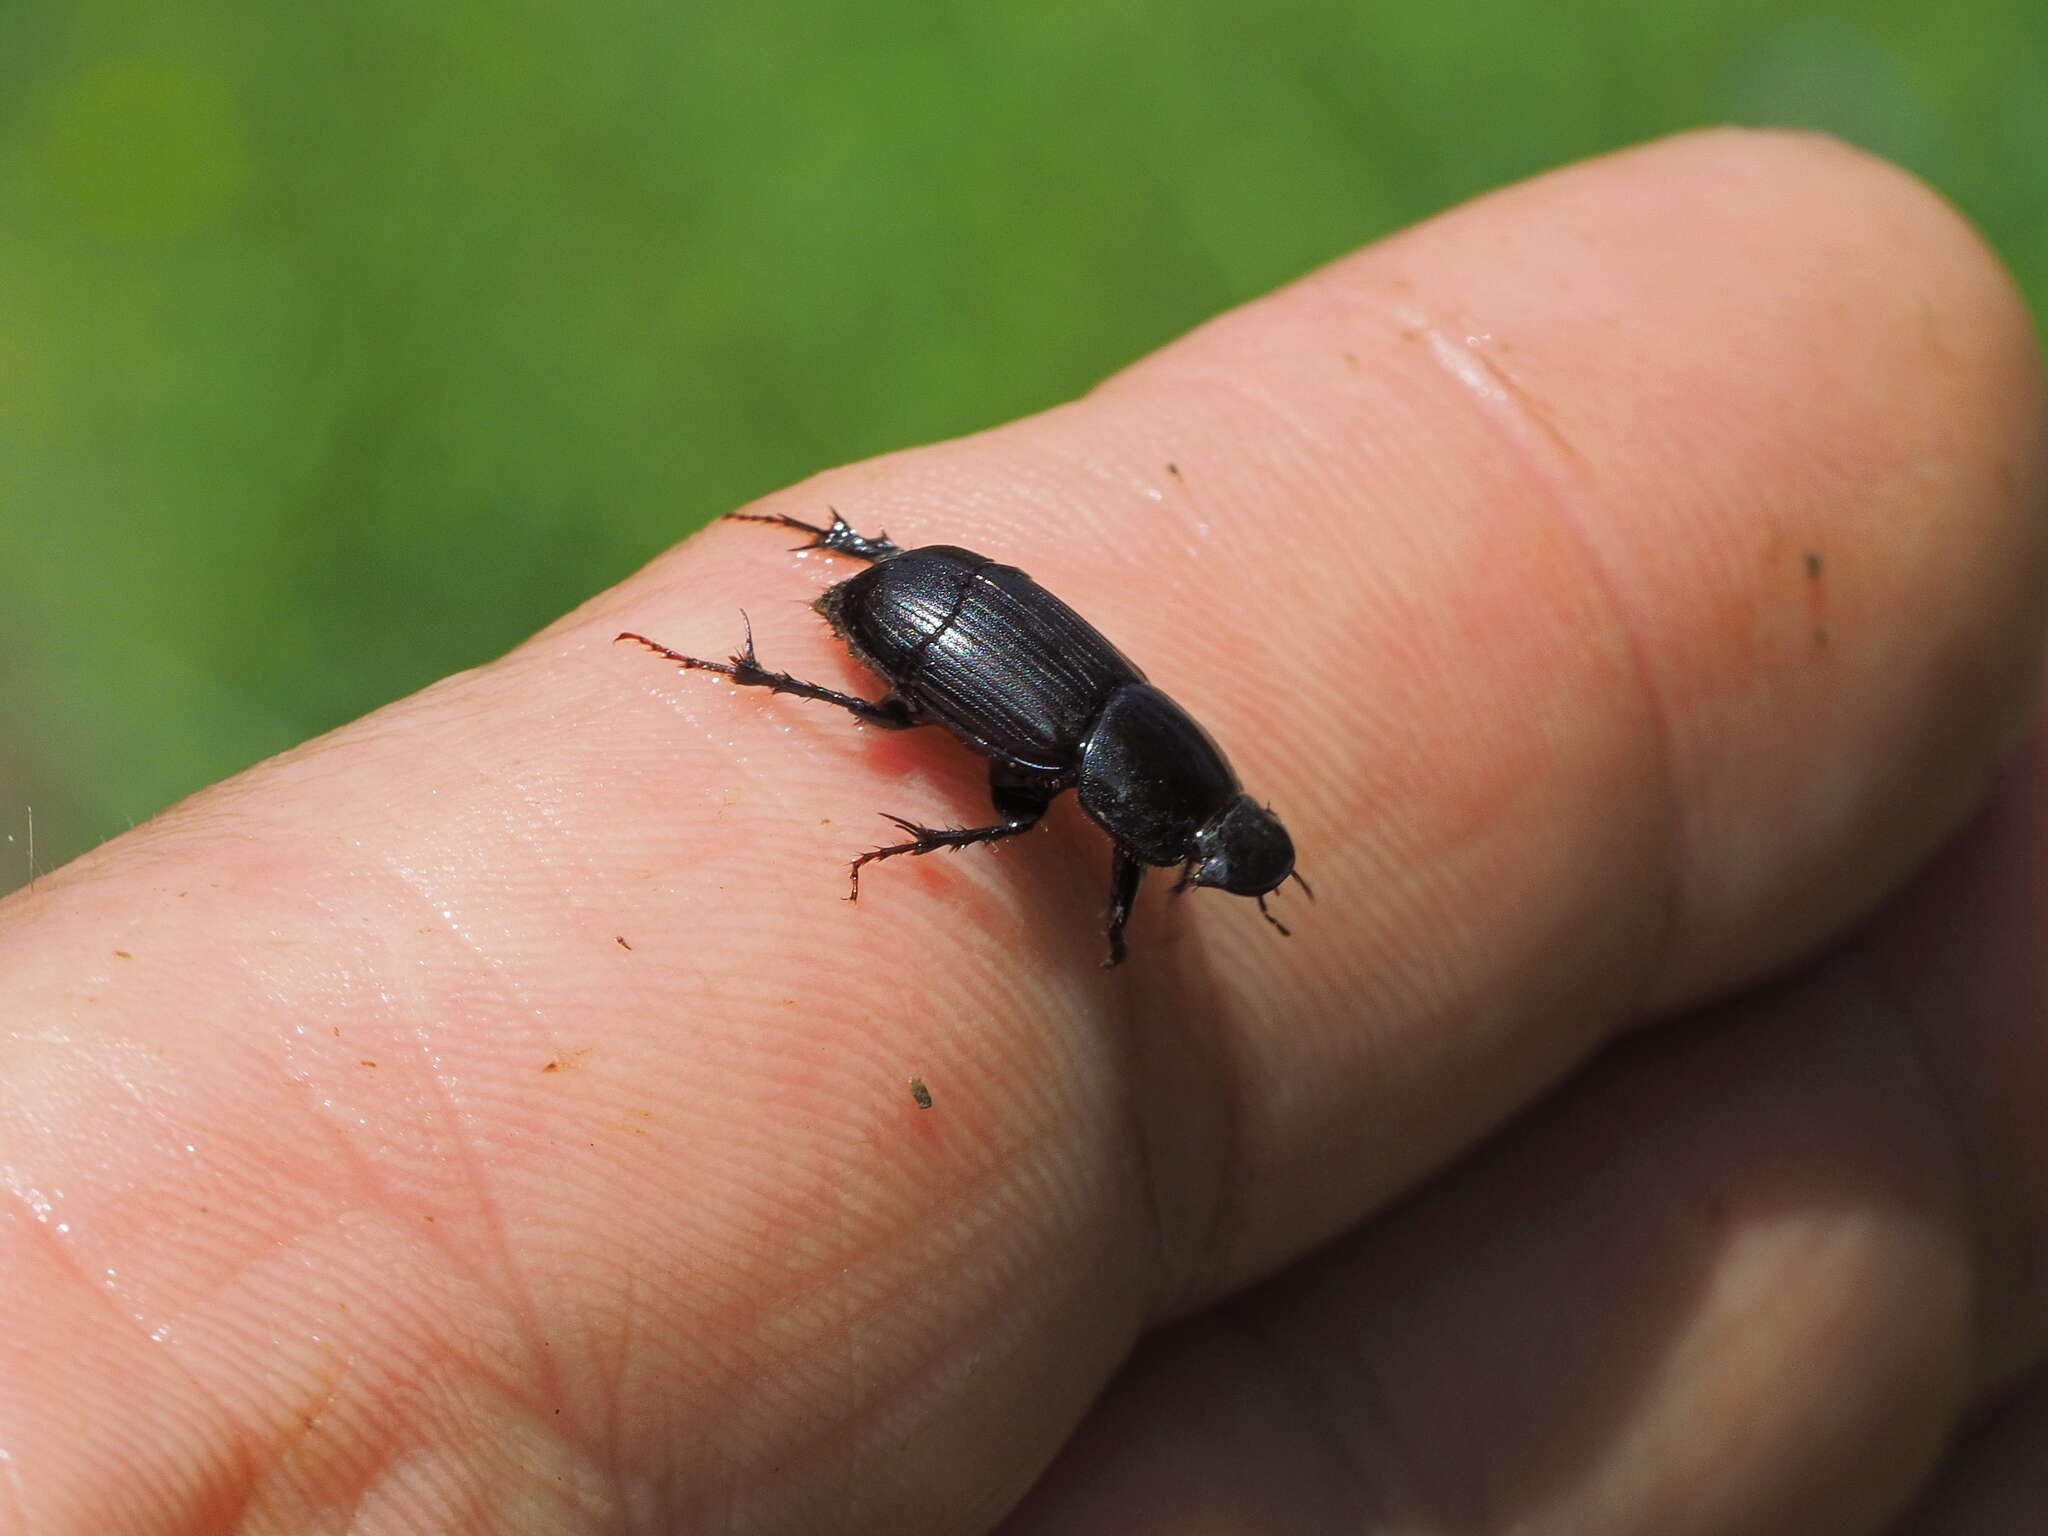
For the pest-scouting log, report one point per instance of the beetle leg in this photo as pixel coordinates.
(931, 840)
(1021, 799)
(1126, 874)
(893, 712)
(839, 538)
(1285, 931)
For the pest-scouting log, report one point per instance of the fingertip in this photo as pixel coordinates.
(1792, 403)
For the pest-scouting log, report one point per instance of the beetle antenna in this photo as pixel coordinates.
(1295, 876)
(1285, 931)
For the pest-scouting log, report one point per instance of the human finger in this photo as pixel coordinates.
(611, 1123)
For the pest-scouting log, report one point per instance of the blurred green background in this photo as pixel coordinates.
(342, 346)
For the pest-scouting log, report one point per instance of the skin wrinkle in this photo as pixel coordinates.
(443, 910)
(511, 1282)
(1174, 1276)
(512, 1289)
(830, 1440)
(1297, 455)
(1973, 1160)
(266, 1455)
(282, 1449)
(617, 1372)
(237, 1513)
(1400, 1483)
(1123, 481)
(1992, 1483)
(1350, 1432)
(1244, 387)
(245, 1464)
(1531, 407)
(535, 826)
(850, 1328)
(377, 1191)
(848, 1427)
(1309, 1394)
(298, 1433)
(1662, 781)
(1663, 788)
(1177, 1277)
(1234, 1194)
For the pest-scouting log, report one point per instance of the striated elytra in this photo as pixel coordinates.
(982, 650)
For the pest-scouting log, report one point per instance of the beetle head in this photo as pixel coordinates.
(1242, 849)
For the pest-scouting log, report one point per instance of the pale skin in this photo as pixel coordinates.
(488, 1117)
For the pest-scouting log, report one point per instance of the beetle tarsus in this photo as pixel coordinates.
(839, 538)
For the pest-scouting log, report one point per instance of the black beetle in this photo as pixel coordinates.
(983, 650)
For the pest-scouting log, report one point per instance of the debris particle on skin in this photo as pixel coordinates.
(622, 942)
(1816, 598)
(921, 1094)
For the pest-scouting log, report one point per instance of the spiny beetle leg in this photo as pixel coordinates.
(839, 538)
(892, 713)
(932, 839)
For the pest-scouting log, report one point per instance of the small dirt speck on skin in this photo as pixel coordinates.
(1816, 599)
(621, 940)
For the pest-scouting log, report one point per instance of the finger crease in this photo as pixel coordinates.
(1555, 466)
(1997, 1247)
